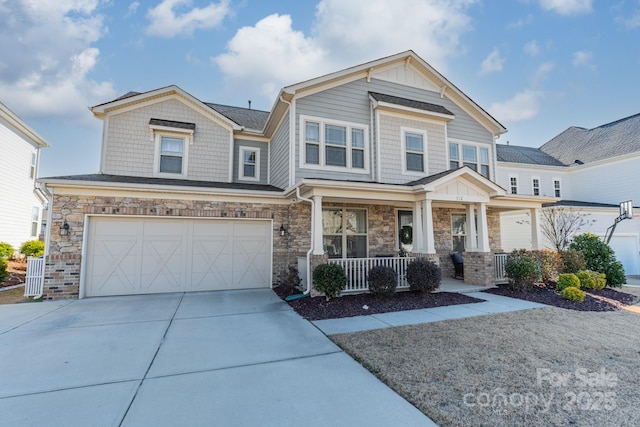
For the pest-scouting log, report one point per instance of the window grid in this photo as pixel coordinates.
(536, 186)
(556, 187)
(336, 145)
(513, 183)
(476, 157)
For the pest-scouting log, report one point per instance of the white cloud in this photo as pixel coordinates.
(172, 17)
(523, 106)
(272, 53)
(522, 22)
(48, 57)
(532, 48)
(567, 7)
(633, 21)
(582, 58)
(542, 72)
(133, 8)
(492, 63)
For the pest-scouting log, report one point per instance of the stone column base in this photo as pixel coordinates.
(479, 269)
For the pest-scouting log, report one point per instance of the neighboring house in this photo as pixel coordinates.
(591, 170)
(199, 196)
(20, 202)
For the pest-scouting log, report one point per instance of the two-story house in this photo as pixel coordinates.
(591, 171)
(20, 202)
(351, 165)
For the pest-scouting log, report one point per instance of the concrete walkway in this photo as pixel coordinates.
(492, 304)
(233, 358)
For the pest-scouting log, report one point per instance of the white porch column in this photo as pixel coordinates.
(418, 238)
(316, 221)
(483, 229)
(471, 245)
(536, 235)
(427, 227)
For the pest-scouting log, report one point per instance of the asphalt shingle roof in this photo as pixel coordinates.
(246, 117)
(172, 123)
(529, 155)
(590, 145)
(410, 103)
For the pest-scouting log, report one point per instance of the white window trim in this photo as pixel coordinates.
(403, 135)
(187, 141)
(517, 184)
(322, 146)
(533, 188)
(553, 183)
(241, 150)
(344, 234)
(477, 145)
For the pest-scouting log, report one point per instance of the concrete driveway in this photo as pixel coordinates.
(233, 358)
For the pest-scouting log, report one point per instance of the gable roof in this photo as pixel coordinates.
(17, 123)
(603, 142)
(528, 155)
(245, 117)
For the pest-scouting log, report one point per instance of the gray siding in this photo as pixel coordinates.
(264, 159)
(279, 152)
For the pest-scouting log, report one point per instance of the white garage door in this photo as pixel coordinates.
(127, 255)
(626, 249)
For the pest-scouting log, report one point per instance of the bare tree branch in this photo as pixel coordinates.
(560, 224)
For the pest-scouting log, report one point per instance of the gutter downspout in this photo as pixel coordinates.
(313, 220)
(47, 235)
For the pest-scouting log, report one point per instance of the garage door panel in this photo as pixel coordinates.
(211, 263)
(162, 267)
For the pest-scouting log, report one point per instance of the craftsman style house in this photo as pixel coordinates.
(21, 202)
(347, 167)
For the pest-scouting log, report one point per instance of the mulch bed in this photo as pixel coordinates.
(596, 300)
(17, 273)
(353, 305)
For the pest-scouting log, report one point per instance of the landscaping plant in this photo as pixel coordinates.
(573, 261)
(550, 263)
(32, 248)
(290, 280)
(330, 279)
(382, 281)
(6, 250)
(567, 280)
(573, 294)
(599, 256)
(522, 269)
(591, 279)
(423, 275)
(3, 270)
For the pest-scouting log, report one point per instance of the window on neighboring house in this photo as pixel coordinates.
(556, 187)
(344, 232)
(513, 184)
(458, 232)
(334, 144)
(476, 157)
(32, 169)
(35, 216)
(536, 186)
(171, 154)
(414, 152)
(249, 167)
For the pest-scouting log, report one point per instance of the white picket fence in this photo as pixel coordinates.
(35, 277)
(357, 269)
(499, 262)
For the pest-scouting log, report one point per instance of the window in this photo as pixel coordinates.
(405, 230)
(344, 232)
(32, 169)
(474, 156)
(414, 152)
(171, 154)
(458, 232)
(556, 187)
(35, 216)
(536, 186)
(334, 145)
(249, 166)
(513, 184)
(172, 146)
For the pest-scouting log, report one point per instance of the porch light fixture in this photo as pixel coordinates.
(283, 230)
(64, 230)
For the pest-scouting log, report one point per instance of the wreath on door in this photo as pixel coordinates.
(406, 234)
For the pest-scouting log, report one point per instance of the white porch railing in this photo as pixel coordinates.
(357, 269)
(499, 262)
(35, 277)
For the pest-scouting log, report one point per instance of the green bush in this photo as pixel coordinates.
(550, 263)
(573, 294)
(382, 281)
(573, 261)
(33, 248)
(6, 250)
(567, 280)
(330, 279)
(290, 280)
(3, 270)
(423, 275)
(592, 279)
(599, 256)
(522, 269)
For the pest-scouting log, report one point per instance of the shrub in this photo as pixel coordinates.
(34, 248)
(599, 256)
(573, 261)
(382, 281)
(550, 263)
(3, 270)
(330, 279)
(522, 269)
(567, 280)
(591, 279)
(6, 250)
(423, 275)
(573, 294)
(290, 280)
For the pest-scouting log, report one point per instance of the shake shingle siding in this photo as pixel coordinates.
(264, 159)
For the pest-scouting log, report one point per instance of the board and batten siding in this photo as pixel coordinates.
(350, 103)
(264, 159)
(279, 153)
(130, 149)
(17, 199)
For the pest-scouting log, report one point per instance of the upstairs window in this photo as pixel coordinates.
(556, 187)
(171, 154)
(35, 216)
(32, 168)
(334, 145)
(513, 184)
(414, 152)
(536, 186)
(474, 156)
(249, 167)
(172, 141)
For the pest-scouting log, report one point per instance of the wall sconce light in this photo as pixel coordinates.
(64, 230)
(283, 230)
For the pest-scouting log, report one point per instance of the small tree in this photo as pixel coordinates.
(559, 225)
(330, 279)
(598, 256)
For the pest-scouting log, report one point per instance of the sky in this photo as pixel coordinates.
(538, 66)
